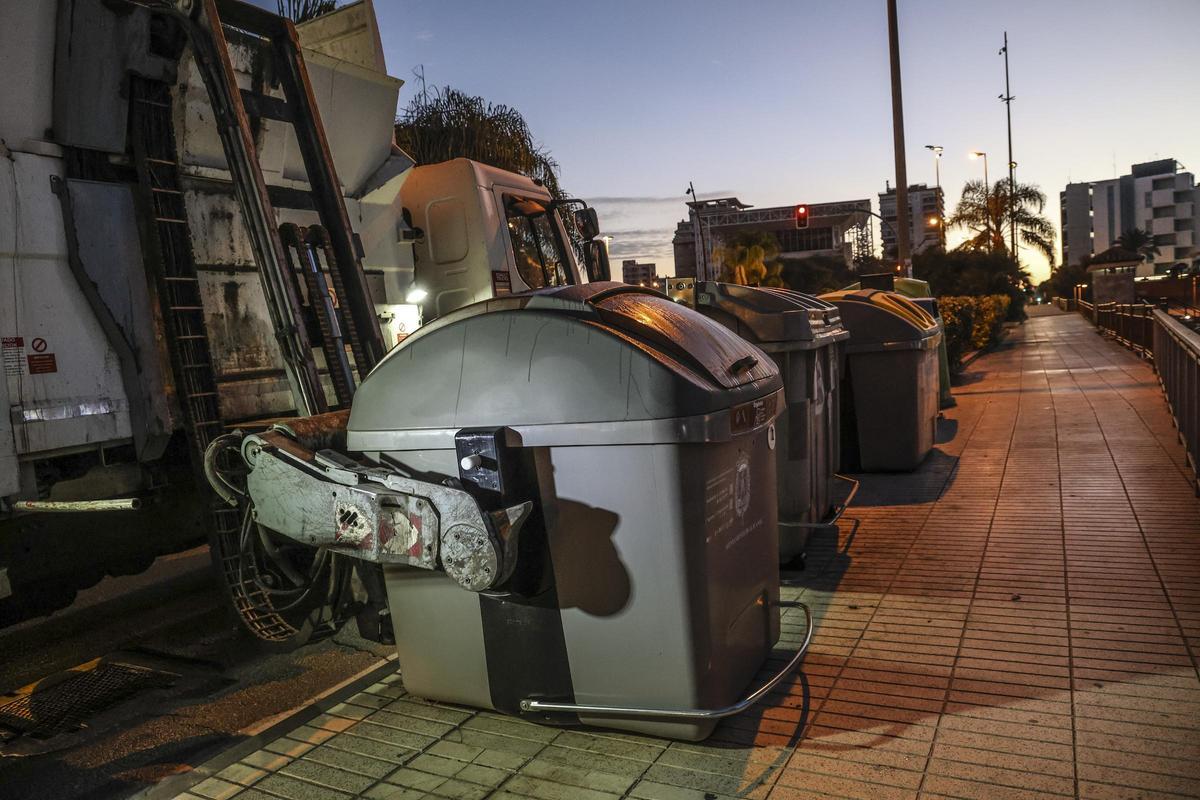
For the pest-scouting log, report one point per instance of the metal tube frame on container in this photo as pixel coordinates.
(689, 714)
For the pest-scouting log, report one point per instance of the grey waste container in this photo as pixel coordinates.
(802, 334)
(648, 575)
(890, 381)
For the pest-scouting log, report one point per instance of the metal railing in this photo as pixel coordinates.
(1177, 360)
(1131, 324)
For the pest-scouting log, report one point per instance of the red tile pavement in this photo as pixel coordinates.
(1020, 617)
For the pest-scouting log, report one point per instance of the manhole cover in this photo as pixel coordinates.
(65, 705)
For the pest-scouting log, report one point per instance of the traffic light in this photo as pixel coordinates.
(801, 216)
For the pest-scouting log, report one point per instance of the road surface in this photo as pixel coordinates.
(210, 683)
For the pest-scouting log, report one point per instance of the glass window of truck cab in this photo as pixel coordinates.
(538, 243)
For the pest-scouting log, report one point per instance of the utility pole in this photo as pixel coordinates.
(1012, 165)
(902, 211)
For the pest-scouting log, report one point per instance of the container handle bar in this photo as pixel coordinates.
(696, 714)
(837, 514)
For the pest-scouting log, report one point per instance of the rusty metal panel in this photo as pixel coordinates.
(217, 227)
(109, 248)
(239, 330)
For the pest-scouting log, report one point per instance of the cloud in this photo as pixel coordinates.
(645, 244)
(424, 36)
(648, 199)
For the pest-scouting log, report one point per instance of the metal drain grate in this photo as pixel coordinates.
(67, 704)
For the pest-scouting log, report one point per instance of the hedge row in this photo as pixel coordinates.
(972, 323)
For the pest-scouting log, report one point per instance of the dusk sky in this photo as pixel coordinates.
(785, 102)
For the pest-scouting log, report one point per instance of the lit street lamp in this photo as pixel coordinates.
(987, 194)
(980, 154)
(936, 149)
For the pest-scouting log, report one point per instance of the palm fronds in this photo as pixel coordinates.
(304, 10)
(986, 212)
(441, 124)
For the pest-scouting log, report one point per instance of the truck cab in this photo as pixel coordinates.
(481, 232)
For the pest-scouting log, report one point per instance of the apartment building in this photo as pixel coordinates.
(1156, 196)
(926, 218)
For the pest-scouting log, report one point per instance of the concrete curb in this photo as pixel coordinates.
(264, 731)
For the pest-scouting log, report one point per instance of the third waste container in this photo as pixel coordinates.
(890, 381)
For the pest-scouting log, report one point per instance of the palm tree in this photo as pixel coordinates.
(750, 258)
(441, 124)
(304, 10)
(987, 215)
(1136, 240)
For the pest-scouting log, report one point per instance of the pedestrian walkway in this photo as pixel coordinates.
(1019, 618)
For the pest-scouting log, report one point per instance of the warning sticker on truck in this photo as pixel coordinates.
(13, 349)
(41, 363)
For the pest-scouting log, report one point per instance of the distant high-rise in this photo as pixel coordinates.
(1155, 197)
(638, 274)
(926, 218)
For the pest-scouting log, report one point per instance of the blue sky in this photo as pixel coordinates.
(783, 102)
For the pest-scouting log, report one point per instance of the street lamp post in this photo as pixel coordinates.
(936, 149)
(987, 195)
(1007, 98)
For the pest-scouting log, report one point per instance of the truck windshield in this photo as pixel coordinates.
(537, 244)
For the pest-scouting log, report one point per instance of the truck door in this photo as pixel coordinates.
(537, 255)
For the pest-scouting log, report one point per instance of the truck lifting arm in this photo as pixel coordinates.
(324, 499)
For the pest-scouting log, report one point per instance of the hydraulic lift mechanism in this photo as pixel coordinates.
(324, 499)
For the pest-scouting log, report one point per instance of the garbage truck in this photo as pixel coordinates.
(205, 225)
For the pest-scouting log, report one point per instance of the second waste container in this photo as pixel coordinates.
(890, 381)
(648, 576)
(803, 335)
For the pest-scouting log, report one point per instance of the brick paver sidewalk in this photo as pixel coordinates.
(1020, 618)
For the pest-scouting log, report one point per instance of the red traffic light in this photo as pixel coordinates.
(801, 216)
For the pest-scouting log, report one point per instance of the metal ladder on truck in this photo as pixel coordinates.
(323, 256)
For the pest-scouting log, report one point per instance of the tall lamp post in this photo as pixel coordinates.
(987, 195)
(936, 149)
(1007, 99)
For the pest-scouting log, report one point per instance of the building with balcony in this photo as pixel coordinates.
(1156, 196)
(838, 230)
(926, 218)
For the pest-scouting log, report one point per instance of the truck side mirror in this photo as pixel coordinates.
(598, 269)
(588, 223)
